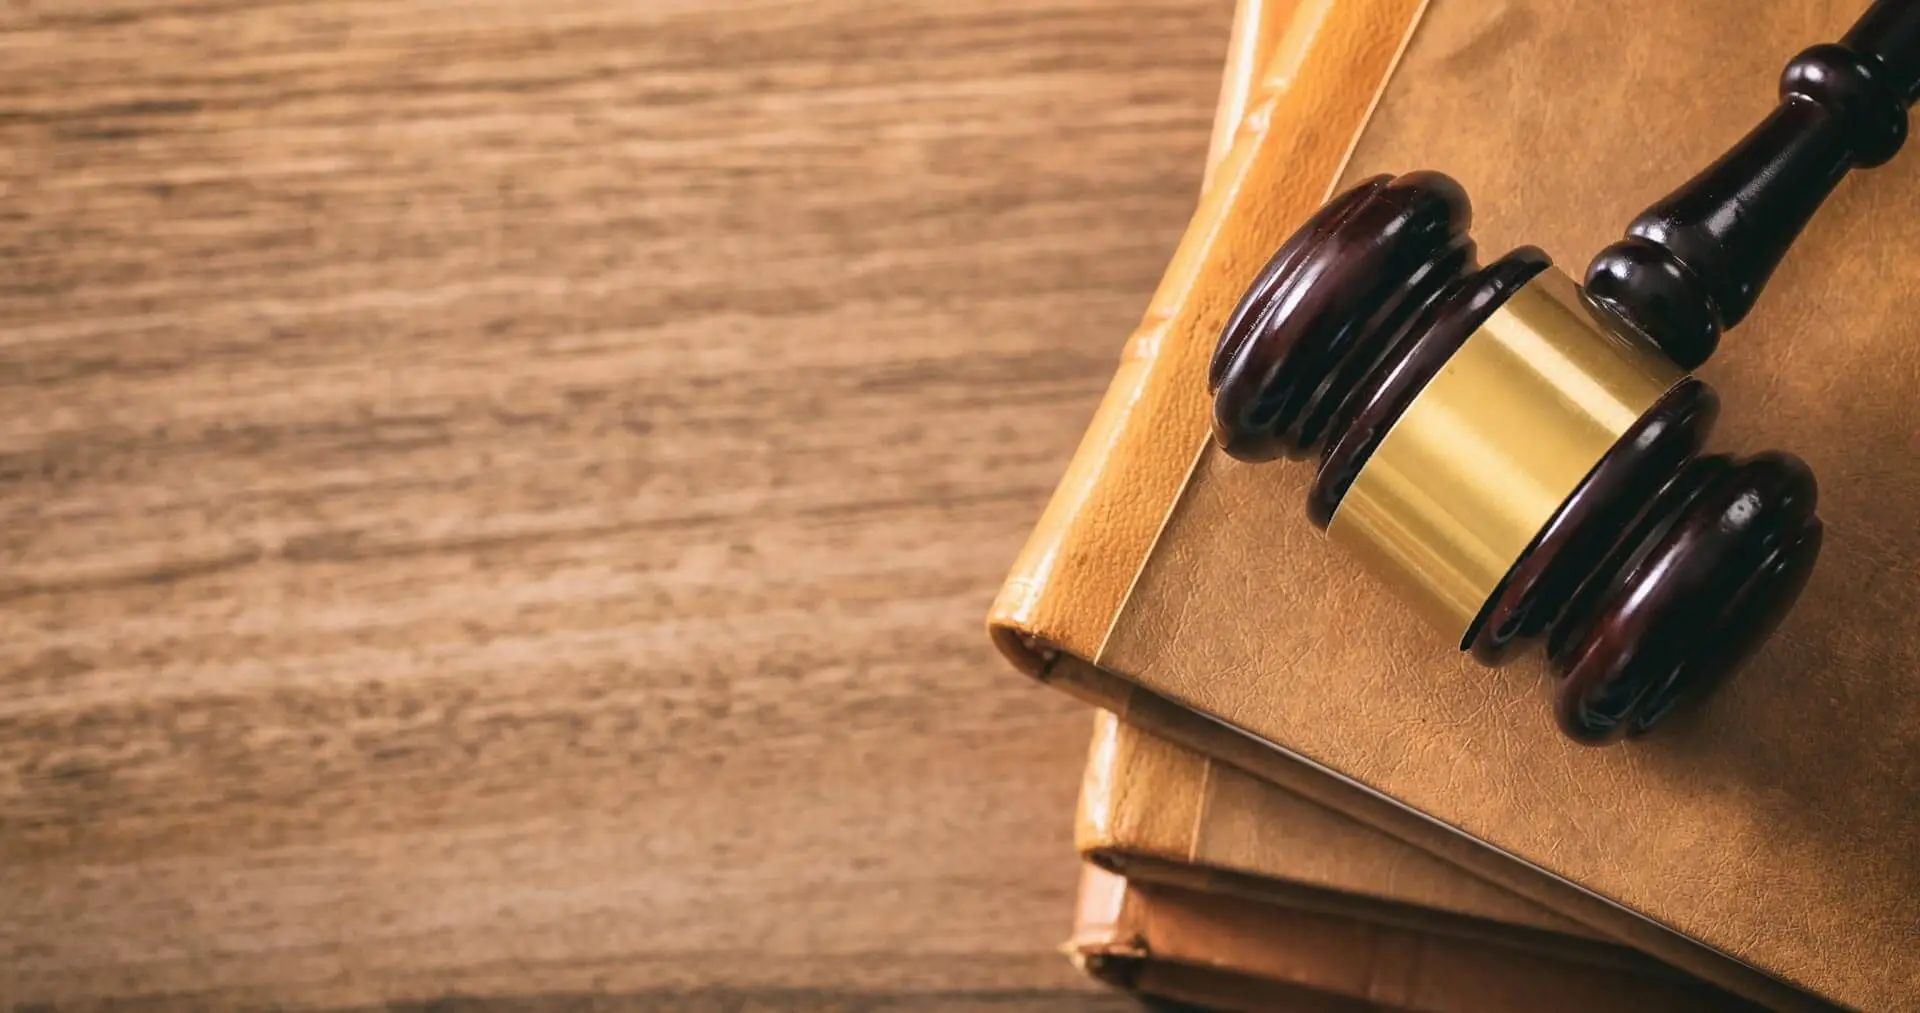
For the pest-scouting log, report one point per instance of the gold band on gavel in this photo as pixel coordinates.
(1495, 443)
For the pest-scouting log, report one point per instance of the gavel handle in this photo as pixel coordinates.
(1692, 265)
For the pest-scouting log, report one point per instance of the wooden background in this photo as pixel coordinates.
(498, 497)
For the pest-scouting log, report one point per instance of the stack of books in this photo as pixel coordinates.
(1296, 797)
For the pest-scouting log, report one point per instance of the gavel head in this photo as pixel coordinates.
(1511, 457)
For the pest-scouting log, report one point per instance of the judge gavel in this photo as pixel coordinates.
(1523, 458)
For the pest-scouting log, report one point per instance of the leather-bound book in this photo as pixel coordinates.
(1229, 953)
(1205, 869)
(1767, 840)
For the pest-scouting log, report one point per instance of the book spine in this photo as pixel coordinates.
(1312, 99)
(1257, 28)
(1140, 795)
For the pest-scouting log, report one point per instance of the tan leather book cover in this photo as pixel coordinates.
(1156, 811)
(1777, 824)
(1234, 954)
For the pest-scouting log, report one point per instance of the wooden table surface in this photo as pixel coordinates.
(498, 498)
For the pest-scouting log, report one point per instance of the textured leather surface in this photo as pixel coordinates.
(1148, 805)
(1145, 709)
(1258, 26)
(1778, 823)
(1070, 580)
(1154, 938)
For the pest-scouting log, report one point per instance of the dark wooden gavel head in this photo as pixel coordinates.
(1507, 457)
(1523, 458)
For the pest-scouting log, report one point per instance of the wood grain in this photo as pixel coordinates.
(497, 498)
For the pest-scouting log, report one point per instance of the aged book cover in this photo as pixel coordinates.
(1155, 811)
(1233, 954)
